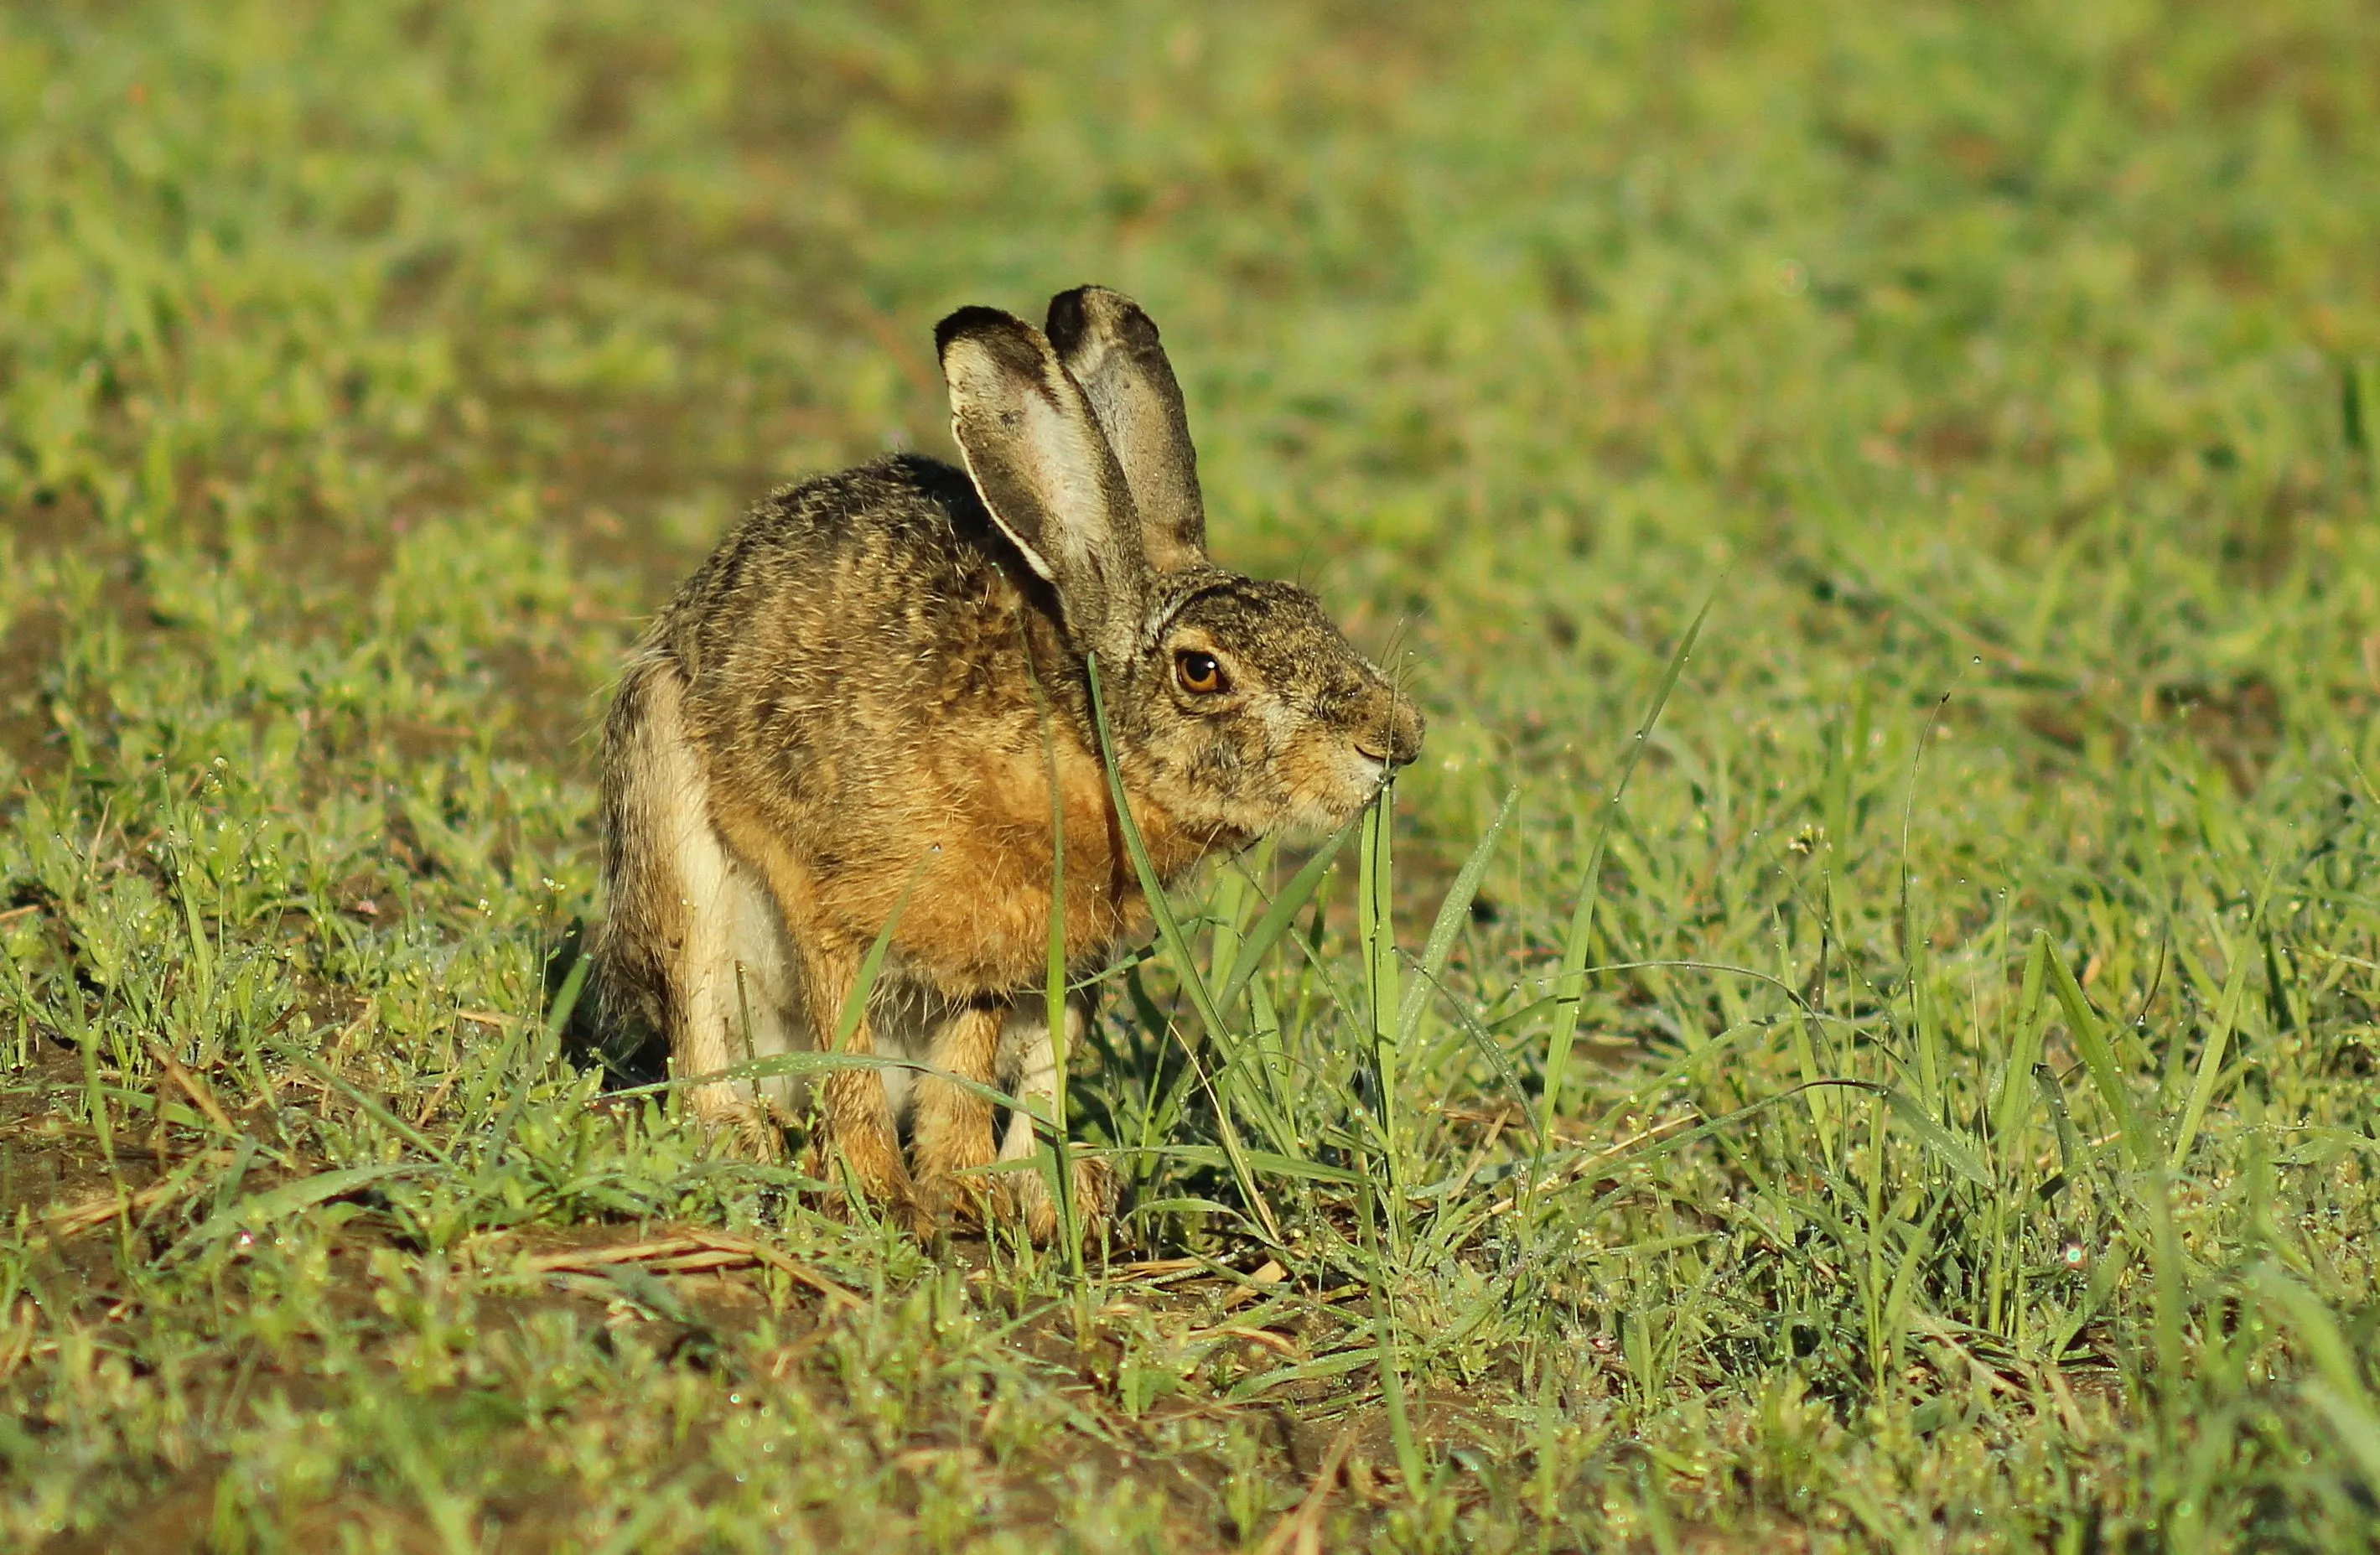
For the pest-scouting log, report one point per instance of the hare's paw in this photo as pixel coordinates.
(958, 1192)
(1095, 1198)
(859, 1159)
(856, 1146)
(751, 1131)
(951, 1143)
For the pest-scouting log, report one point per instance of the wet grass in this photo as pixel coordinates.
(1932, 1106)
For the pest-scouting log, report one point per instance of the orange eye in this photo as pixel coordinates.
(1198, 673)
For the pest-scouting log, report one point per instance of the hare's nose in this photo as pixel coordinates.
(1396, 739)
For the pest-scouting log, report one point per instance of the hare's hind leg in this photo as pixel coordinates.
(856, 1112)
(689, 925)
(1029, 1067)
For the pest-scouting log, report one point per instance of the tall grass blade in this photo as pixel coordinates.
(1375, 926)
(2168, 1295)
(1281, 915)
(1454, 911)
(1570, 982)
(810, 1061)
(2219, 1042)
(2013, 1099)
(547, 1041)
(2364, 396)
(1177, 950)
(364, 1102)
(1384, 1338)
(1954, 1152)
(1913, 945)
(1819, 1097)
(1053, 994)
(1376, 934)
(275, 1204)
(2336, 1388)
(872, 966)
(2099, 1058)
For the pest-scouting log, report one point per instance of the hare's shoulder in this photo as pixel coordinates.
(880, 537)
(901, 501)
(891, 563)
(902, 526)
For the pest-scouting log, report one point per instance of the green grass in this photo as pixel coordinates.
(1962, 1027)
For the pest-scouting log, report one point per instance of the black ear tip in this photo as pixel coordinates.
(1069, 317)
(1075, 314)
(974, 320)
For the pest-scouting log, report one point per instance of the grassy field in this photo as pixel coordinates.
(1919, 1095)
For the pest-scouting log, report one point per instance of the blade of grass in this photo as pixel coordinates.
(2167, 1298)
(1053, 994)
(872, 966)
(2337, 1387)
(1454, 911)
(1484, 1044)
(261, 1209)
(1392, 1368)
(812, 1061)
(2099, 1058)
(1291, 1167)
(548, 1042)
(1570, 985)
(2363, 392)
(1941, 1141)
(1177, 950)
(1633, 1154)
(2218, 1041)
(362, 1101)
(1281, 915)
(2014, 1101)
(1375, 933)
(1929, 1061)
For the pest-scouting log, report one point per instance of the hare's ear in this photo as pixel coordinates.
(1111, 348)
(1045, 470)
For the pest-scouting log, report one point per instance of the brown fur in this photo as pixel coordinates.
(862, 694)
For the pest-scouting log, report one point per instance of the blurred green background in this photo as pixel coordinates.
(2006, 375)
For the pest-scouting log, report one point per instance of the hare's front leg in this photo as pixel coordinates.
(857, 1116)
(1031, 1069)
(950, 1126)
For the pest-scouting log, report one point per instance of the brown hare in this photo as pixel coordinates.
(858, 696)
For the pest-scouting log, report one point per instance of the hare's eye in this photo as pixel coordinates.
(1198, 673)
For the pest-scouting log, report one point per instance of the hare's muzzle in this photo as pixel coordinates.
(1393, 738)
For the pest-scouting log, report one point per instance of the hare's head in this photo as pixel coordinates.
(1236, 706)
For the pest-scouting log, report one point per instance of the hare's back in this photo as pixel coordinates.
(847, 617)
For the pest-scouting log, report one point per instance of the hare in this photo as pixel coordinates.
(860, 703)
